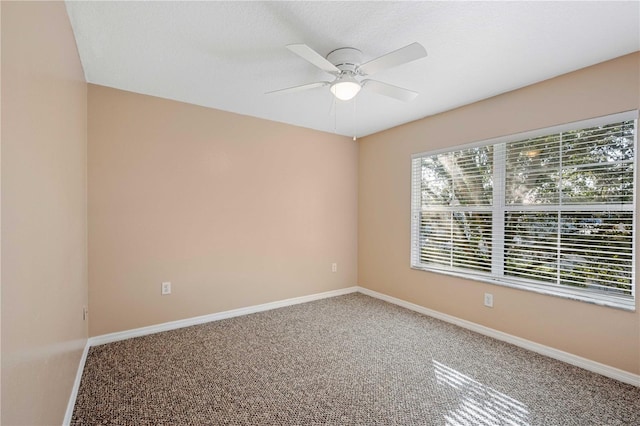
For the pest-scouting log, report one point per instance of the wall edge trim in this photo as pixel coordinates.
(569, 358)
(575, 360)
(172, 325)
(76, 386)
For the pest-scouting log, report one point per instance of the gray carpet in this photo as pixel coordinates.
(348, 360)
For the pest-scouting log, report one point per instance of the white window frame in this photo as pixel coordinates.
(496, 276)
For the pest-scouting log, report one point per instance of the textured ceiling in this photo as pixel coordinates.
(226, 55)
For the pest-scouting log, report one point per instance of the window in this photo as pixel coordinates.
(551, 211)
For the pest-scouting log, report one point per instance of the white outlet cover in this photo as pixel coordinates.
(488, 300)
(166, 288)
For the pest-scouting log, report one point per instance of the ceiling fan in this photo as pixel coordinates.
(345, 64)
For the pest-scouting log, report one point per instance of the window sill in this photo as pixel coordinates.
(623, 303)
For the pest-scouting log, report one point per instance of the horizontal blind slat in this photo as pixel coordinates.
(568, 207)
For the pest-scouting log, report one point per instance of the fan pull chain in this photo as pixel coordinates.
(355, 120)
(335, 115)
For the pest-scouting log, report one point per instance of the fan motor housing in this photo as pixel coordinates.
(345, 58)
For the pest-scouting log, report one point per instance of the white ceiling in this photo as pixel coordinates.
(226, 55)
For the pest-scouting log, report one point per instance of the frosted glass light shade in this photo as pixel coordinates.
(345, 88)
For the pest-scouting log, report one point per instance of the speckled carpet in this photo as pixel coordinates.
(348, 360)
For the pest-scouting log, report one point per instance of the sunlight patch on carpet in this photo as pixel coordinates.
(479, 404)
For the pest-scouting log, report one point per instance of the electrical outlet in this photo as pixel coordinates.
(85, 313)
(334, 267)
(488, 300)
(166, 288)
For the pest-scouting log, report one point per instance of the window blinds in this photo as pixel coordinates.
(553, 209)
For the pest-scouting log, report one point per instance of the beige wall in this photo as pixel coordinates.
(605, 335)
(44, 280)
(233, 211)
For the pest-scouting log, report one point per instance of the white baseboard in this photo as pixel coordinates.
(152, 329)
(76, 386)
(596, 367)
(587, 364)
(143, 331)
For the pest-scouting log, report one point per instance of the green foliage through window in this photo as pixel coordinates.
(554, 210)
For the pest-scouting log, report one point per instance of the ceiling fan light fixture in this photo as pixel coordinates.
(345, 87)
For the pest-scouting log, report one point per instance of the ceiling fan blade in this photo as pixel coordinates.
(389, 90)
(300, 88)
(397, 57)
(310, 55)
